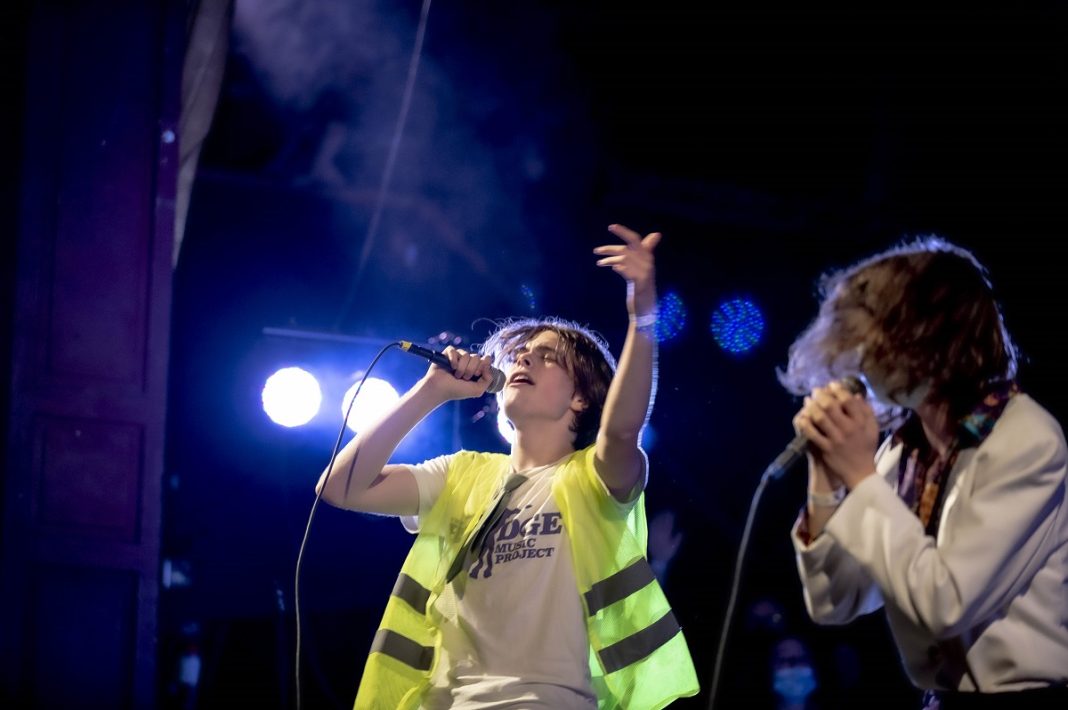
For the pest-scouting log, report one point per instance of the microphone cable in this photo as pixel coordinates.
(734, 588)
(315, 505)
(372, 230)
(775, 470)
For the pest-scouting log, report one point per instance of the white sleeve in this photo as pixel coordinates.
(430, 478)
(835, 587)
(1004, 514)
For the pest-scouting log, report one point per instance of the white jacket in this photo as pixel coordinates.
(986, 606)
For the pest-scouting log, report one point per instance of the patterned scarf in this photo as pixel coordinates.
(923, 472)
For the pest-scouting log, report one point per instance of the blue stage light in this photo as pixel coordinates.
(672, 318)
(528, 297)
(376, 398)
(291, 397)
(737, 325)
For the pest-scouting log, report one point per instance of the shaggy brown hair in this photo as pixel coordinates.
(582, 352)
(922, 312)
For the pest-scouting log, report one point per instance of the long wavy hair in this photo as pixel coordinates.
(922, 313)
(583, 353)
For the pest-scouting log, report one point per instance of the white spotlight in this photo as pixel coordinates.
(291, 397)
(504, 427)
(376, 397)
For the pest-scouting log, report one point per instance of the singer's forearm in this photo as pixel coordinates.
(822, 485)
(626, 410)
(632, 390)
(372, 448)
(817, 518)
(630, 395)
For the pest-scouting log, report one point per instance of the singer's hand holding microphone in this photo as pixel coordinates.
(841, 432)
(459, 374)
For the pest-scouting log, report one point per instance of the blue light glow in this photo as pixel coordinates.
(376, 397)
(528, 297)
(648, 440)
(672, 318)
(737, 325)
(291, 397)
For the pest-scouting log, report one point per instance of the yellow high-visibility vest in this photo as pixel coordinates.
(638, 656)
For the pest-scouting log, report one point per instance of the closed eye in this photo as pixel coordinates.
(544, 353)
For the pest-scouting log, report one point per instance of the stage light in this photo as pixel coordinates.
(528, 297)
(737, 325)
(672, 318)
(504, 427)
(291, 397)
(376, 397)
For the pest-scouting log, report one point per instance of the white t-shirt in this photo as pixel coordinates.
(513, 626)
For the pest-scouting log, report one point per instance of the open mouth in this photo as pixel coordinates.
(520, 378)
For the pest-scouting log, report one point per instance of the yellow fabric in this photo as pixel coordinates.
(603, 540)
(473, 482)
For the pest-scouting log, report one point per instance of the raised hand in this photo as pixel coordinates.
(634, 261)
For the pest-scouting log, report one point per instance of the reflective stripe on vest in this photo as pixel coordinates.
(403, 649)
(410, 591)
(395, 644)
(637, 646)
(619, 586)
(622, 584)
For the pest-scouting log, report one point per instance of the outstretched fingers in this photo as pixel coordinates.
(633, 259)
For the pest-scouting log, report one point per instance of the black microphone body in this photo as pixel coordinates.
(795, 450)
(495, 386)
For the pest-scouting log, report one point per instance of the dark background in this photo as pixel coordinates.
(768, 144)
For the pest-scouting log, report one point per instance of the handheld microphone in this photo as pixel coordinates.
(495, 386)
(795, 450)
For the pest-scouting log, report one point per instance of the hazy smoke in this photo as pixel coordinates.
(305, 48)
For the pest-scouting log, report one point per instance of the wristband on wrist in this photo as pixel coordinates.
(827, 500)
(646, 321)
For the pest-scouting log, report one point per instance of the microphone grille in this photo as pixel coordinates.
(854, 385)
(498, 381)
